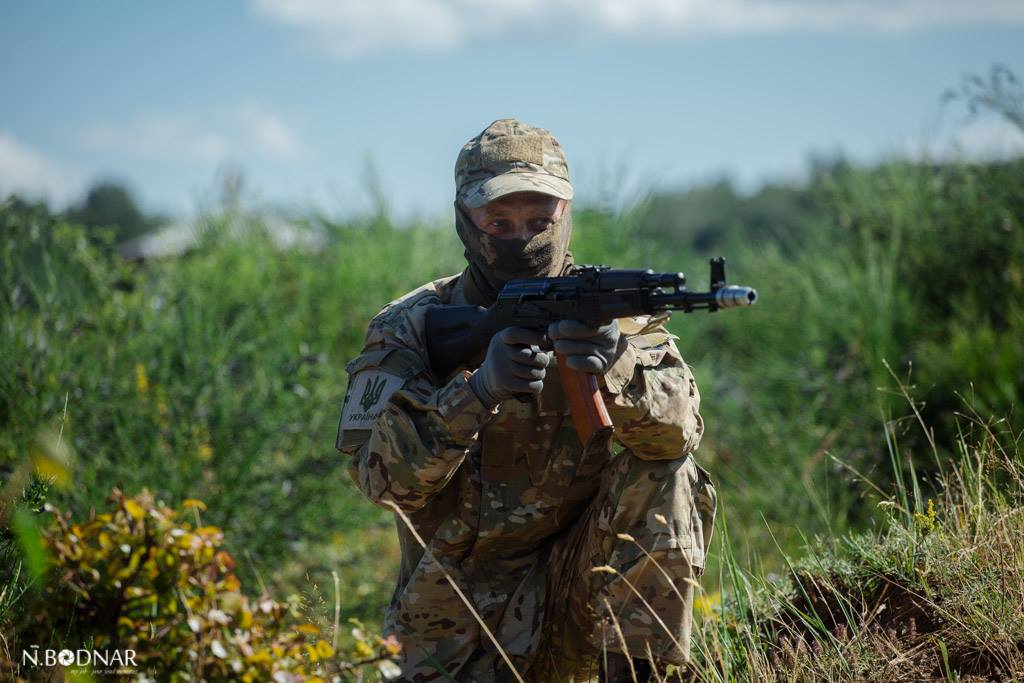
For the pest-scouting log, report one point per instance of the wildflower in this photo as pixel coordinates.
(392, 645)
(141, 378)
(389, 670)
(925, 522)
(134, 509)
(217, 616)
(708, 605)
(50, 468)
(324, 649)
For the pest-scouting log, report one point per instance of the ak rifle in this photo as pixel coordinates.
(458, 335)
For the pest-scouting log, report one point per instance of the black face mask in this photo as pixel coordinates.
(493, 261)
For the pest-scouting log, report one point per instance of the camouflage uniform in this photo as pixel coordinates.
(517, 511)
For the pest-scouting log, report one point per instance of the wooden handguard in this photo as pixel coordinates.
(586, 405)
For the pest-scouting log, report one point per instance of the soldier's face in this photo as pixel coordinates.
(519, 215)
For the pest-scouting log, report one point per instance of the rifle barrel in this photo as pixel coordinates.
(729, 296)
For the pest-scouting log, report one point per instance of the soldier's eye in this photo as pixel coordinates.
(500, 224)
(540, 224)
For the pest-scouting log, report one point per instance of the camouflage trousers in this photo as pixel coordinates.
(623, 578)
(646, 532)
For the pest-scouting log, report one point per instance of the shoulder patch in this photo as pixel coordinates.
(367, 394)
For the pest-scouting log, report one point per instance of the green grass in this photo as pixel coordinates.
(935, 592)
(219, 375)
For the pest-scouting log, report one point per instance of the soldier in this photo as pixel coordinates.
(512, 508)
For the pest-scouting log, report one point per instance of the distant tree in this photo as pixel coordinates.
(111, 205)
(17, 204)
(713, 216)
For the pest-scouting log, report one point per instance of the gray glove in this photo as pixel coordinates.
(589, 349)
(514, 364)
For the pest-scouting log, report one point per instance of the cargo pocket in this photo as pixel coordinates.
(653, 501)
(704, 503)
(687, 506)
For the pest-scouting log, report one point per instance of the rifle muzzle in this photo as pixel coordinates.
(731, 296)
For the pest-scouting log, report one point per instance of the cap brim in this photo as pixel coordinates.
(475, 195)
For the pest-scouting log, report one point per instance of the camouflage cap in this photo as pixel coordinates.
(510, 156)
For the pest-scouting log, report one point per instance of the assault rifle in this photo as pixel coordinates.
(456, 335)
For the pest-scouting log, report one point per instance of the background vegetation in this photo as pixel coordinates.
(217, 376)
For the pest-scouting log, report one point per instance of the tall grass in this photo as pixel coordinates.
(936, 592)
(219, 375)
(913, 266)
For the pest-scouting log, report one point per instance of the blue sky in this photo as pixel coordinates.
(303, 96)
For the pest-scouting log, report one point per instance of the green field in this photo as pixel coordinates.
(218, 376)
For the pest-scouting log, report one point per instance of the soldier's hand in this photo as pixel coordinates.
(588, 348)
(514, 364)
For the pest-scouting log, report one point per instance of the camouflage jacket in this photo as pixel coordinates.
(485, 488)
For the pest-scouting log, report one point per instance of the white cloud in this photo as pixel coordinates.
(351, 27)
(987, 139)
(29, 172)
(231, 134)
(981, 139)
(346, 28)
(270, 132)
(161, 138)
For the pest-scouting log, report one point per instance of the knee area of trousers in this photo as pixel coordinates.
(644, 488)
(667, 569)
(656, 559)
(651, 605)
(659, 505)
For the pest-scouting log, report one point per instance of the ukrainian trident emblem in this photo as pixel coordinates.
(371, 392)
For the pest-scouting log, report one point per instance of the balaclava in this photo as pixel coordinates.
(510, 156)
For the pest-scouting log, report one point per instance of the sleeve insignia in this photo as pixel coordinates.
(368, 393)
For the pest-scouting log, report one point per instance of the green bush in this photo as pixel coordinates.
(141, 578)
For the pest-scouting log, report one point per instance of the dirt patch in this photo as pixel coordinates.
(881, 631)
